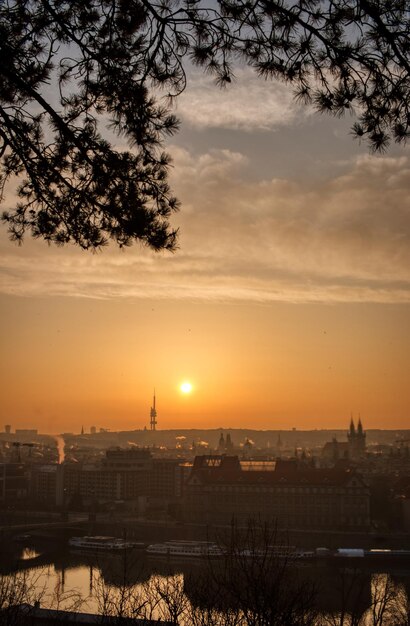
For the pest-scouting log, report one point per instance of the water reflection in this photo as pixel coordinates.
(344, 596)
(389, 602)
(28, 554)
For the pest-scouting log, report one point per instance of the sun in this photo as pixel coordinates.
(186, 387)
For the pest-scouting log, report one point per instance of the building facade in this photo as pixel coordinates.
(14, 482)
(289, 493)
(123, 475)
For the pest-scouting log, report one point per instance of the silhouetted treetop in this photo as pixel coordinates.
(71, 68)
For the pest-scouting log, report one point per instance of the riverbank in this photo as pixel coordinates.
(149, 531)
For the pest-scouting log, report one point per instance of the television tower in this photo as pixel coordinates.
(153, 416)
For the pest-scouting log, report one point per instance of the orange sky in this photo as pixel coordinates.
(68, 362)
(286, 305)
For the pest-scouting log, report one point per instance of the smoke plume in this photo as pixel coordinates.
(60, 449)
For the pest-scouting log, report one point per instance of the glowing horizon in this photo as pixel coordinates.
(270, 367)
(286, 304)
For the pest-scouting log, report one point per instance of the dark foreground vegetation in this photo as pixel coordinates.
(249, 586)
(67, 67)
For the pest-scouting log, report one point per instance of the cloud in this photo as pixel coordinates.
(248, 103)
(343, 239)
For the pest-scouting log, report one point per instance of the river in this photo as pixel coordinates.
(86, 583)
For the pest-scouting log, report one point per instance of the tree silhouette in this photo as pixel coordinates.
(252, 585)
(69, 68)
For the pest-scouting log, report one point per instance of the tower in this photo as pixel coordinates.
(153, 416)
(357, 440)
(351, 435)
(361, 438)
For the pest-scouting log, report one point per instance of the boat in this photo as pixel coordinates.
(190, 549)
(387, 553)
(350, 553)
(272, 552)
(101, 543)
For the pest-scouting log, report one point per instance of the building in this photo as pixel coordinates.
(27, 432)
(14, 482)
(357, 440)
(225, 445)
(289, 493)
(164, 479)
(43, 483)
(130, 475)
(353, 449)
(2, 482)
(121, 475)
